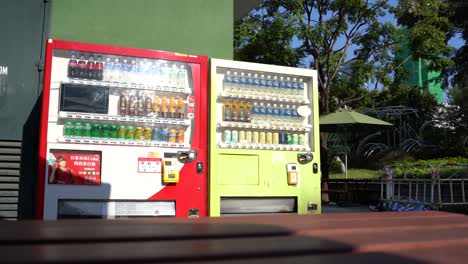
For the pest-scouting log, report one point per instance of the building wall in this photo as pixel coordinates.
(202, 27)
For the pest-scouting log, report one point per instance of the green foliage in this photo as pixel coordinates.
(426, 172)
(358, 174)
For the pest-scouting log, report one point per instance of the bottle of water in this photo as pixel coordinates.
(116, 71)
(249, 83)
(242, 83)
(289, 88)
(301, 89)
(181, 77)
(263, 85)
(269, 114)
(282, 115)
(108, 70)
(165, 72)
(255, 113)
(276, 87)
(126, 72)
(235, 83)
(296, 118)
(263, 114)
(295, 88)
(256, 85)
(276, 120)
(174, 75)
(154, 74)
(288, 115)
(269, 85)
(282, 86)
(227, 81)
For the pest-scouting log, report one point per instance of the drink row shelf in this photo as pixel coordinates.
(122, 142)
(263, 147)
(302, 128)
(133, 119)
(127, 85)
(262, 97)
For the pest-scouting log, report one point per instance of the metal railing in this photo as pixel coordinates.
(451, 190)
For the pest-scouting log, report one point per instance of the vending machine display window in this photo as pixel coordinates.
(84, 99)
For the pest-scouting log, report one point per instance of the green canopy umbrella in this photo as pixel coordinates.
(348, 120)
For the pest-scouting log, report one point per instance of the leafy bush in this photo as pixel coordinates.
(426, 172)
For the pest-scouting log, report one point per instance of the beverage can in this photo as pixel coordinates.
(248, 137)
(276, 138)
(300, 140)
(87, 128)
(156, 134)
(130, 133)
(295, 139)
(95, 130)
(234, 137)
(114, 130)
(139, 133)
(164, 133)
(255, 137)
(242, 136)
(283, 138)
(172, 135)
(180, 137)
(148, 134)
(68, 129)
(227, 136)
(105, 131)
(78, 131)
(261, 137)
(269, 138)
(122, 132)
(289, 138)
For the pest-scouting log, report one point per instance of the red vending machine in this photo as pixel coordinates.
(123, 133)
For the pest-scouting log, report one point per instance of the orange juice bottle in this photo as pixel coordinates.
(227, 111)
(180, 108)
(165, 107)
(172, 107)
(157, 106)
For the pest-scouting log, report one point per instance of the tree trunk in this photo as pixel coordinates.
(324, 109)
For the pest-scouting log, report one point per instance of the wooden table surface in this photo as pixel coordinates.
(390, 237)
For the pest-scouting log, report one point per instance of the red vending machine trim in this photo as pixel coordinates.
(191, 192)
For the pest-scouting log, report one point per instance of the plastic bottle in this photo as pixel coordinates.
(164, 107)
(116, 71)
(289, 88)
(241, 109)
(242, 83)
(107, 74)
(180, 108)
(255, 113)
(235, 83)
(72, 71)
(164, 75)
(296, 118)
(172, 108)
(98, 69)
(227, 81)
(276, 115)
(269, 114)
(263, 86)
(262, 115)
(174, 73)
(132, 72)
(295, 88)
(155, 74)
(90, 68)
(288, 117)
(157, 106)
(269, 86)
(82, 67)
(235, 111)
(248, 111)
(125, 77)
(181, 77)
(282, 86)
(249, 83)
(282, 115)
(275, 86)
(301, 89)
(256, 85)
(227, 111)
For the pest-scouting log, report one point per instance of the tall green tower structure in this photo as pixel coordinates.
(418, 72)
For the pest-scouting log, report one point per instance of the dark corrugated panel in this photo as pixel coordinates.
(10, 156)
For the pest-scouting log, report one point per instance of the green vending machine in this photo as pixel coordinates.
(264, 139)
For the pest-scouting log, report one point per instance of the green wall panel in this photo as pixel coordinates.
(203, 27)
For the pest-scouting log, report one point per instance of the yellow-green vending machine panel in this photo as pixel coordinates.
(264, 139)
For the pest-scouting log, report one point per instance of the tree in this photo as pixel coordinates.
(318, 34)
